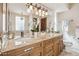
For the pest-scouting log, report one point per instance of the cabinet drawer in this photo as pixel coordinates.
(61, 45)
(18, 51)
(15, 52)
(36, 51)
(0, 54)
(26, 50)
(49, 54)
(48, 49)
(36, 45)
(37, 54)
(47, 42)
(56, 49)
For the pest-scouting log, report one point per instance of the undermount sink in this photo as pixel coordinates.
(18, 43)
(23, 40)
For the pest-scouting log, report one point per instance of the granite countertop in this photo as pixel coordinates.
(11, 43)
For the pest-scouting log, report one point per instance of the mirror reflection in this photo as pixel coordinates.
(24, 21)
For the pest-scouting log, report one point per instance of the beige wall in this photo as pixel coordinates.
(50, 19)
(73, 13)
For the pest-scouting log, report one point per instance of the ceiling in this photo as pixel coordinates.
(21, 7)
(58, 7)
(17, 8)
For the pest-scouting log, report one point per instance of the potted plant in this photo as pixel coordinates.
(35, 30)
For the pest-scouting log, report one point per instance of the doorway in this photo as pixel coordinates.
(43, 24)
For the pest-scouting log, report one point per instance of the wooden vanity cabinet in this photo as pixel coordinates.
(56, 48)
(30, 50)
(61, 46)
(36, 49)
(58, 45)
(53, 46)
(23, 51)
(0, 54)
(48, 47)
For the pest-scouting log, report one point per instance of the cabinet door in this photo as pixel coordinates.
(48, 47)
(36, 52)
(37, 49)
(49, 54)
(61, 45)
(56, 48)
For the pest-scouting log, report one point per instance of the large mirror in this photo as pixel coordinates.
(18, 20)
(21, 23)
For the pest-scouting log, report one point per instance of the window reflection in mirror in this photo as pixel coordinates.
(18, 20)
(20, 25)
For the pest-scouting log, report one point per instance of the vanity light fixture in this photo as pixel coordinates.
(37, 9)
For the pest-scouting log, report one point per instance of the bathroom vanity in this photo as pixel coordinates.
(40, 46)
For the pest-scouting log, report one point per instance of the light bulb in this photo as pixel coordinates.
(39, 12)
(46, 13)
(36, 13)
(28, 10)
(43, 13)
(31, 7)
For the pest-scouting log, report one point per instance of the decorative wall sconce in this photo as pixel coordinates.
(37, 9)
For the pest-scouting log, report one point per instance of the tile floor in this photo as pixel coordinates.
(68, 51)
